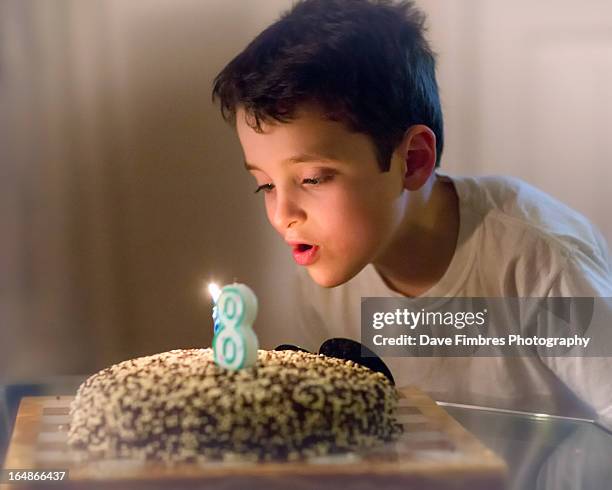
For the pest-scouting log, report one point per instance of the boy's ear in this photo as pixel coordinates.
(418, 154)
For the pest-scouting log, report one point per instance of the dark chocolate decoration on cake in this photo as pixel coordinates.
(180, 406)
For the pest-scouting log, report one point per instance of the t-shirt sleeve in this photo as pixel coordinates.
(588, 377)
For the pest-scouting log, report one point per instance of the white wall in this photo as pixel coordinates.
(526, 92)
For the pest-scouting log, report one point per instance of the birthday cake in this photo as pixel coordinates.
(180, 406)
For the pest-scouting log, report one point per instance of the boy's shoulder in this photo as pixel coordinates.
(529, 243)
(511, 205)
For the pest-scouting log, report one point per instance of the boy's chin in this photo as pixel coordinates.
(329, 279)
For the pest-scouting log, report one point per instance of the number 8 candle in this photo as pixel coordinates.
(235, 343)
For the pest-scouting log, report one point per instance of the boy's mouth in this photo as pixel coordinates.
(305, 253)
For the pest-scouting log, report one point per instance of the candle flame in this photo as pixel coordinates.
(214, 291)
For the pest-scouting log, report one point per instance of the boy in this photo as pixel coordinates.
(337, 110)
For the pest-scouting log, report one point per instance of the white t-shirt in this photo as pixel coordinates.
(514, 241)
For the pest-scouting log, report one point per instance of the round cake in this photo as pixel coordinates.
(180, 406)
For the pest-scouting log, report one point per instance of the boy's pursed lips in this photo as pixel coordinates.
(304, 253)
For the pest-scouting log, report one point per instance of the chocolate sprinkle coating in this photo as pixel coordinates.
(180, 406)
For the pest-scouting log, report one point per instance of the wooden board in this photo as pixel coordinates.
(435, 452)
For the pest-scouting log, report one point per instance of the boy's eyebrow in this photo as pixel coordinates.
(301, 158)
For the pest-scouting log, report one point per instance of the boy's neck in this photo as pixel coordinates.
(423, 249)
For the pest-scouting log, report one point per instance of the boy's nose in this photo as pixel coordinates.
(286, 213)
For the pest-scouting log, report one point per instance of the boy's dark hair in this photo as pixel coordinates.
(365, 63)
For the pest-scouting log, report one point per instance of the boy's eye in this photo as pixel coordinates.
(310, 181)
(264, 187)
(317, 180)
